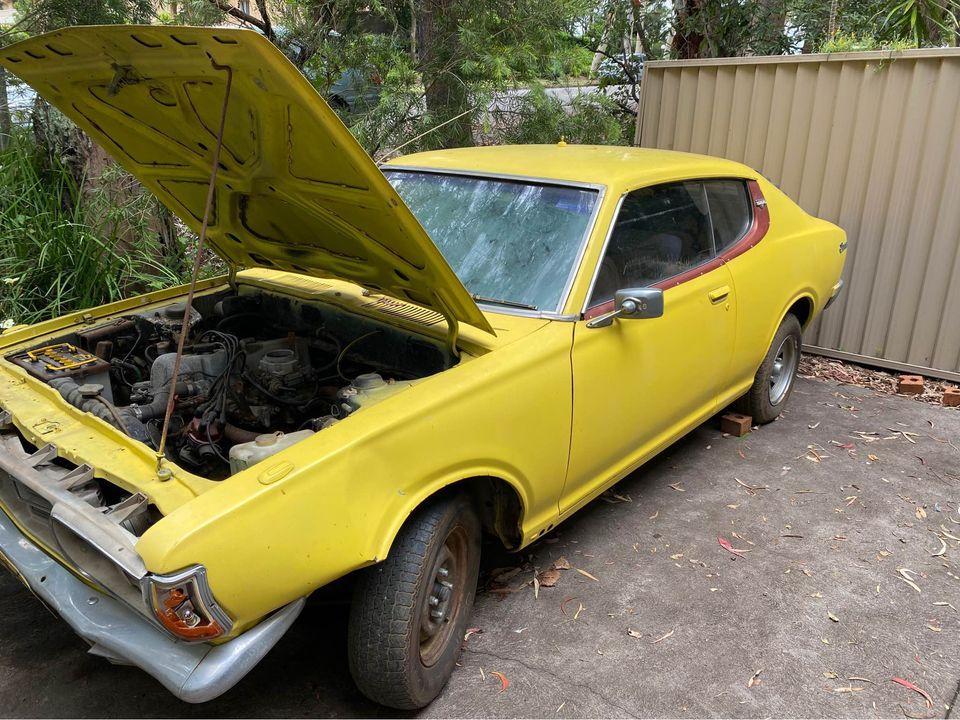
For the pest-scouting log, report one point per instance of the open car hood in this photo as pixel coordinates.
(295, 191)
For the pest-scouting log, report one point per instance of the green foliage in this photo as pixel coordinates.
(538, 117)
(61, 250)
(844, 42)
(44, 15)
(921, 22)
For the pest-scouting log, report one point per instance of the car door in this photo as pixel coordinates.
(640, 383)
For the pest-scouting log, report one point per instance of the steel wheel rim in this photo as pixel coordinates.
(443, 601)
(784, 367)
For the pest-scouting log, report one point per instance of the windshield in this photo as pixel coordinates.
(511, 243)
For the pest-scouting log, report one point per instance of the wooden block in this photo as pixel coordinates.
(910, 385)
(951, 397)
(736, 424)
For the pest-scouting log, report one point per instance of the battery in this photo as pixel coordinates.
(63, 360)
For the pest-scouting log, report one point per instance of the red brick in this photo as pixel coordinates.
(736, 424)
(951, 397)
(910, 385)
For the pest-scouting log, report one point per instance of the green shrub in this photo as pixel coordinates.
(60, 249)
(536, 117)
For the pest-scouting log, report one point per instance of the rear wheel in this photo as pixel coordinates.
(774, 380)
(409, 613)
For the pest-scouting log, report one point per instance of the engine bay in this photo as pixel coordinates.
(259, 372)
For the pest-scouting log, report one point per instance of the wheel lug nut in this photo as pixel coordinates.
(434, 600)
(443, 572)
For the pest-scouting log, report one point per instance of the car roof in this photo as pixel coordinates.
(609, 165)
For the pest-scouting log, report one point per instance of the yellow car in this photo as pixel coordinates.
(401, 358)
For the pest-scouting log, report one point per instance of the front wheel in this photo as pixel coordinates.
(410, 612)
(774, 380)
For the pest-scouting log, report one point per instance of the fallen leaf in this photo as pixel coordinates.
(725, 544)
(676, 486)
(548, 578)
(634, 633)
(921, 513)
(943, 548)
(504, 683)
(905, 577)
(946, 533)
(654, 516)
(833, 617)
(472, 631)
(561, 563)
(910, 686)
(946, 604)
(564, 602)
(663, 637)
(848, 689)
(536, 587)
(751, 489)
(754, 679)
(579, 610)
(586, 574)
(872, 458)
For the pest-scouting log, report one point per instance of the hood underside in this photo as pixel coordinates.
(295, 191)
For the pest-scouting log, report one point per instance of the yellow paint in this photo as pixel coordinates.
(555, 409)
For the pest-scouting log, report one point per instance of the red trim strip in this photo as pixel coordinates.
(756, 232)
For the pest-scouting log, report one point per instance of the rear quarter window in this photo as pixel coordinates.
(730, 211)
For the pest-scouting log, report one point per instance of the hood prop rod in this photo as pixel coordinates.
(162, 472)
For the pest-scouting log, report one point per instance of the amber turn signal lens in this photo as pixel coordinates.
(184, 606)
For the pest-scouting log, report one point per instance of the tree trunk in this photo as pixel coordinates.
(6, 124)
(601, 52)
(446, 94)
(687, 42)
(413, 30)
(832, 22)
(769, 28)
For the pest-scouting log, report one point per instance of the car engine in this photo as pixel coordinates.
(249, 381)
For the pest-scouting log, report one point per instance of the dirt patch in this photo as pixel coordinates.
(881, 381)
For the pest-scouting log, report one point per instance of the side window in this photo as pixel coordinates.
(730, 210)
(661, 231)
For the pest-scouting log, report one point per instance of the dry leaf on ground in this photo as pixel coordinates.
(504, 683)
(910, 686)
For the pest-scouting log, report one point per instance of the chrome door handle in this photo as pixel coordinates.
(719, 294)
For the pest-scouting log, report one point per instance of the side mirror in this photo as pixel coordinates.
(632, 304)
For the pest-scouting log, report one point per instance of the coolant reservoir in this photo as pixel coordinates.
(366, 390)
(244, 455)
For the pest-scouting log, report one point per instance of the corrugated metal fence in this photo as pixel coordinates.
(870, 141)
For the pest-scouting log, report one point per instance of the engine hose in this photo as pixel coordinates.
(238, 435)
(124, 419)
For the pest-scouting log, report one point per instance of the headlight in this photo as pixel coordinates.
(184, 606)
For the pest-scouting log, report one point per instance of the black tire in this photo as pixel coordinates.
(761, 402)
(394, 659)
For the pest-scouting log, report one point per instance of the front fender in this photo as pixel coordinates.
(334, 502)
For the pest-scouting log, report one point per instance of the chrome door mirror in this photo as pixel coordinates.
(632, 304)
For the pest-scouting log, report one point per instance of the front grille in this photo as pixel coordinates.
(62, 507)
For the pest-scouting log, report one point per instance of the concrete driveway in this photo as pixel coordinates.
(833, 500)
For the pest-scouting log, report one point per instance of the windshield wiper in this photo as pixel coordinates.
(505, 303)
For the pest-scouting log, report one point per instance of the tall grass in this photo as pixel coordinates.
(60, 249)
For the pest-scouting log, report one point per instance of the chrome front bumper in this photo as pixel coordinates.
(193, 672)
